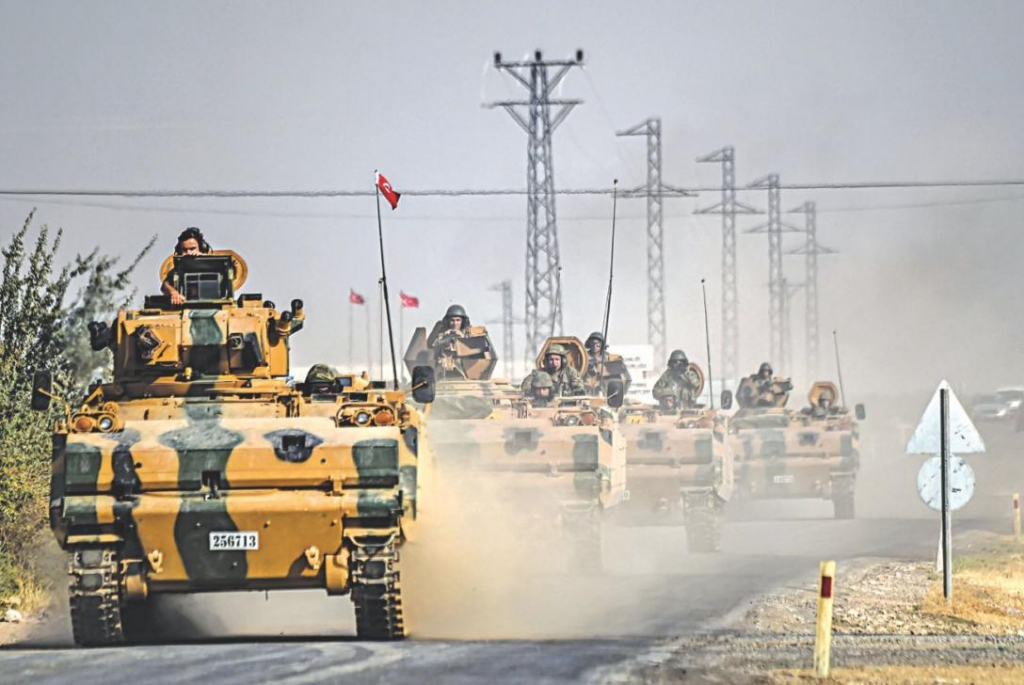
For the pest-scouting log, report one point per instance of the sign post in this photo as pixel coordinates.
(947, 547)
(945, 482)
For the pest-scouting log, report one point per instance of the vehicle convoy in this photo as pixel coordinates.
(785, 454)
(560, 463)
(200, 468)
(679, 466)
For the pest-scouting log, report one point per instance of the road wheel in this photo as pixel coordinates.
(843, 506)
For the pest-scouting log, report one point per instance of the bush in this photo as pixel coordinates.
(40, 329)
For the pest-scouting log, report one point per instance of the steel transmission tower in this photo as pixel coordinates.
(655, 237)
(728, 208)
(543, 265)
(776, 286)
(811, 249)
(508, 321)
(788, 291)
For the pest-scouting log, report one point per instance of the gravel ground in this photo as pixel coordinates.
(891, 625)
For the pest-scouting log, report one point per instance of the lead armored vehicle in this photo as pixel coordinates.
(560, 465)
(679, 467)
(808, 454)
(201, 468)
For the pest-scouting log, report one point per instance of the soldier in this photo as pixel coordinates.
(823, 407)
(456, 325)
(597, 357)
(762, 389)
(678, 380)
(565, 379)
(541, 389)
(190, 242)
(319, 379)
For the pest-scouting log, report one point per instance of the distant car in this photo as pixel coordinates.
(1012, 397)
(994, 408)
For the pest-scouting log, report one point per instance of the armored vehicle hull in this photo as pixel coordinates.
(200, 469)
(680, 470)
(781, 454)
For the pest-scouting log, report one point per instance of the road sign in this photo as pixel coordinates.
(964, 438)
(961, 483)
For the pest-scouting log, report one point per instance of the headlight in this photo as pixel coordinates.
(384, 417)
(572, 420)
(363, 418)
(105, 423)
(83, 424)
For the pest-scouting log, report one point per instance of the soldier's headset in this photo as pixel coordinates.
(192, 233)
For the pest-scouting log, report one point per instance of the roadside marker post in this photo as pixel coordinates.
(1016, 516)
(823, 629)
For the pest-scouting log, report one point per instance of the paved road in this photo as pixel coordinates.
(484, 619)
(563, 628)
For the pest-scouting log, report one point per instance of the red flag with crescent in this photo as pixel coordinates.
(355, 298)
(387, 191)
(409, 301)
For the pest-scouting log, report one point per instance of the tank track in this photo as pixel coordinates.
(703, 517)
(95, 598)
(377, 592)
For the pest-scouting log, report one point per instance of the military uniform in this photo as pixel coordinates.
(683, 386)
(446, 360)
(566, 381)
(762, 389)
(679, 380)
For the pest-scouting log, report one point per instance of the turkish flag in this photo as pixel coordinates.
(387, 191)
(355, 298)
(409, 301)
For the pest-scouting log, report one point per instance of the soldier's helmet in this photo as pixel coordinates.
(542, 379)
(556, 349)
(765, 368)
(457, 310)
(596, 335)
(320, 373)
(678, 356)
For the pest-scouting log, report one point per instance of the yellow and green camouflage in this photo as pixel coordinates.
(679, 467)
(201, 468)
(564, 462)
(786, 454)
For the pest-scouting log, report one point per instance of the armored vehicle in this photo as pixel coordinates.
(563, 462)
(786, 454)
(201, 468)
(679, 466)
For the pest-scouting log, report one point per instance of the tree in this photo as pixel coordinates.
(39, 329)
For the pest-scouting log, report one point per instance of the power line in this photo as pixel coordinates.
(480, 192)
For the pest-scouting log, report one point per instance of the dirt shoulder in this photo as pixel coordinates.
(891, 625)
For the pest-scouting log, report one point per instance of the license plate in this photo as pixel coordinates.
(224, 542)
(788, 478)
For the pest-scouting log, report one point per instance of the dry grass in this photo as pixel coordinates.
(988, 589)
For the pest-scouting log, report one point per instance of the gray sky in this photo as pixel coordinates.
(249, 95)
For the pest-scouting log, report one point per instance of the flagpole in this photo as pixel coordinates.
(351, 324)
(380, 329)
(384, 284)
(401, 331)
(369, 342)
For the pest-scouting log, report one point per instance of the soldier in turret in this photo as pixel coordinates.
(319, 379)
(190, 242)
(541, 389)
(678, 380)
(565, 379)
(762, 389)
(456, 326)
